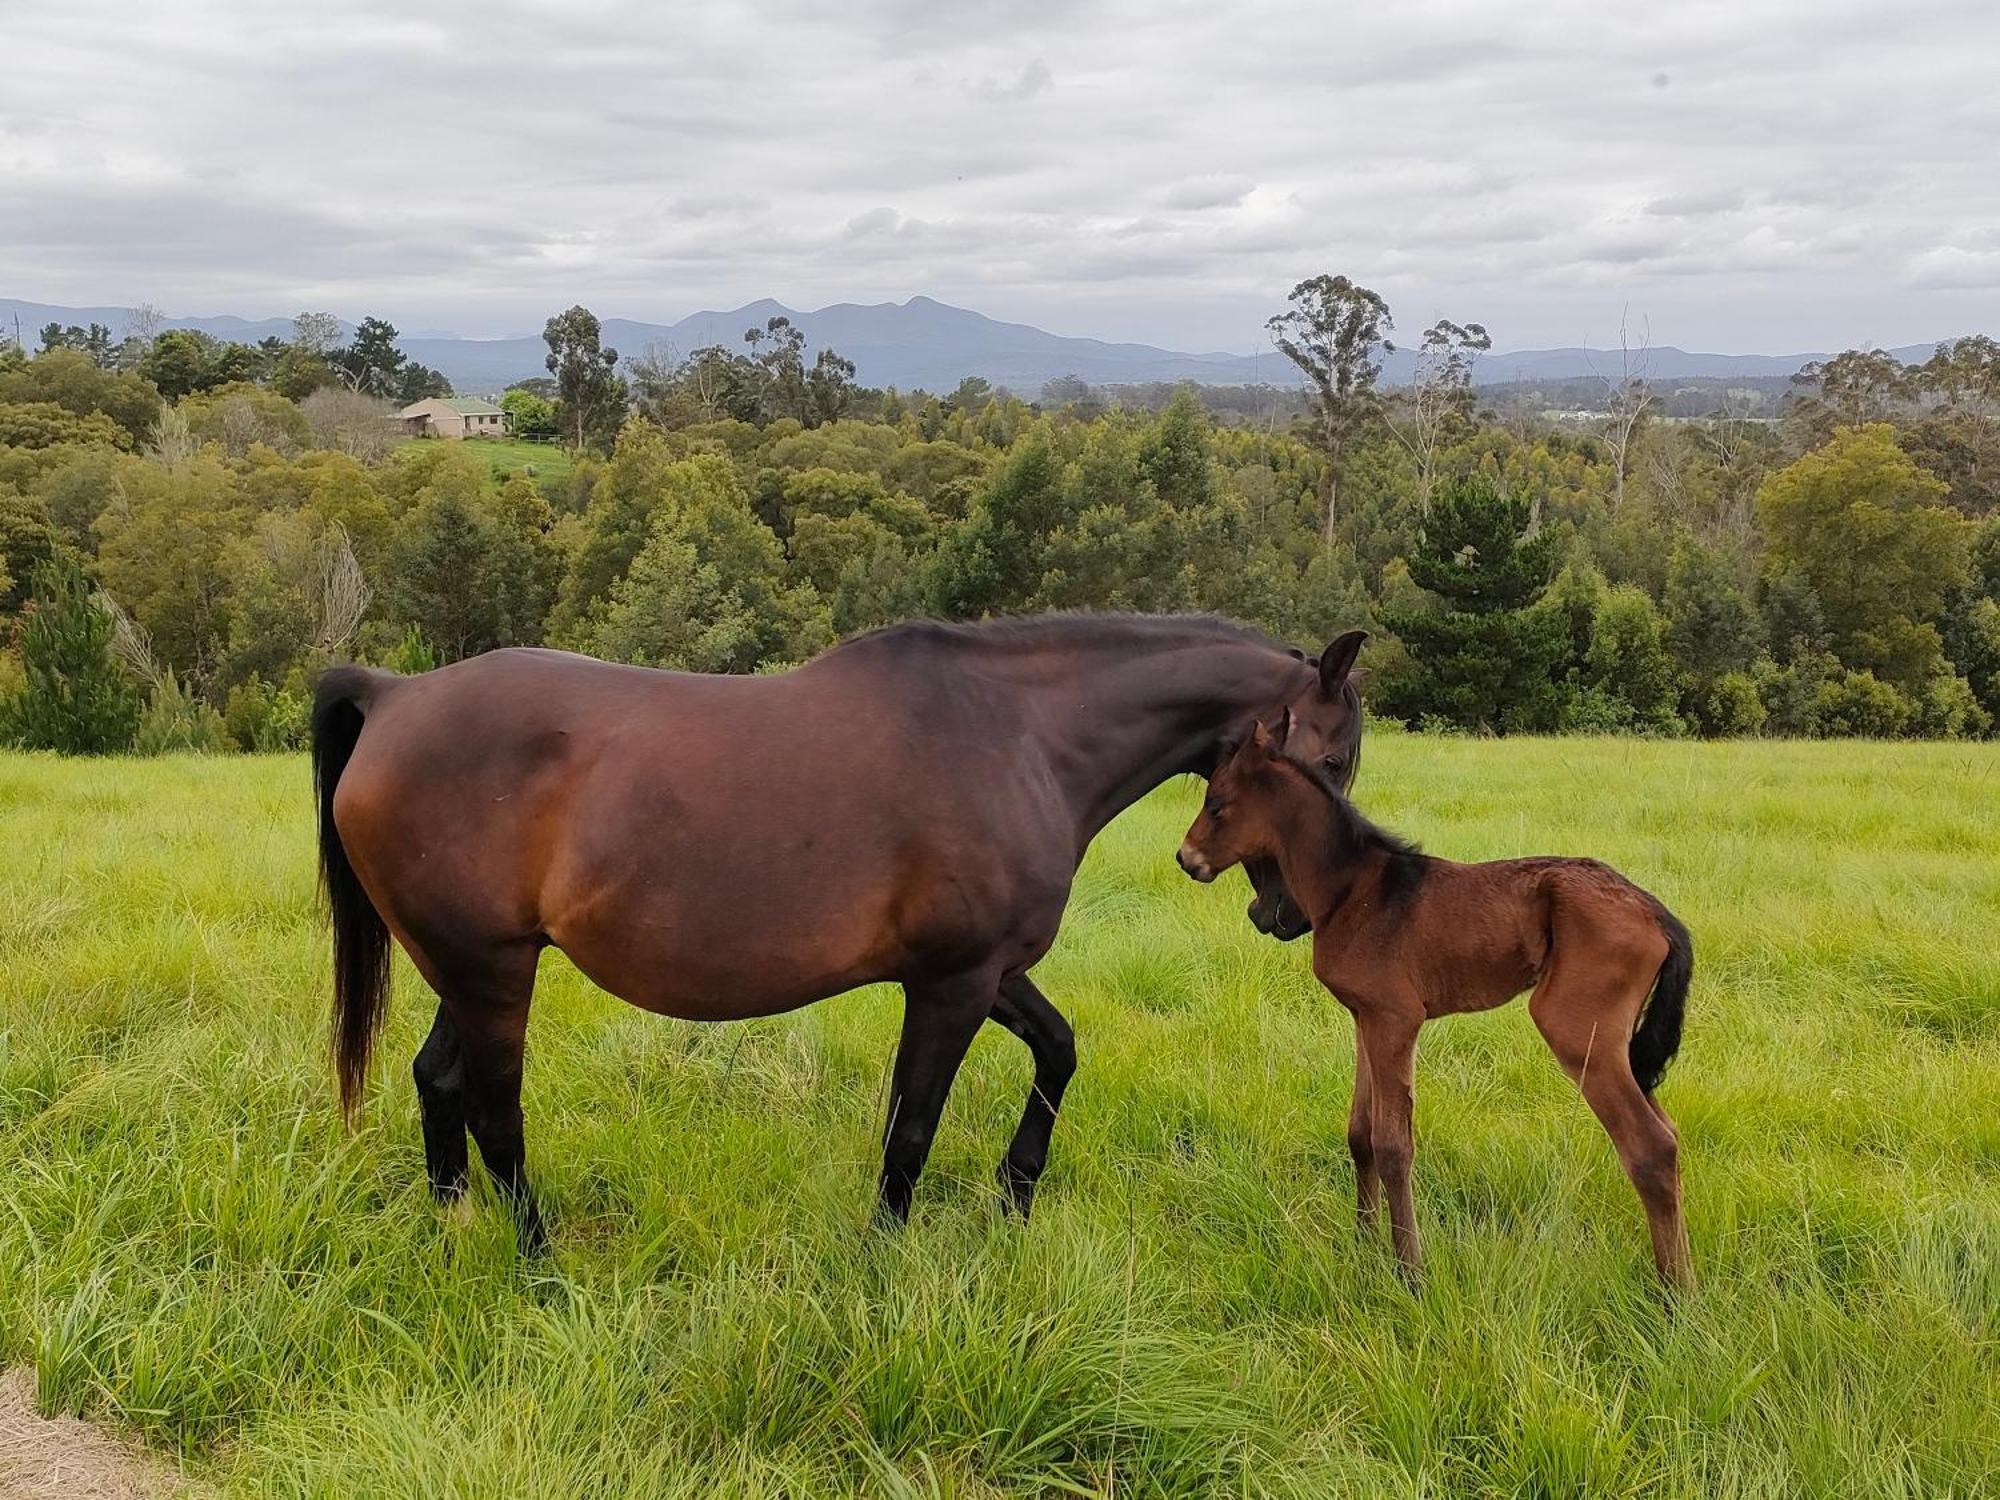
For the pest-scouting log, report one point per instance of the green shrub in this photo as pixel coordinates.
(1862, 705)
(261, 718)
(1731, 705)
(176, 721)
(1790, 694)
(1947, 709)
(412, 654)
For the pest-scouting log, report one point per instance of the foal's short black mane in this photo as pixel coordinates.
(1355, 835)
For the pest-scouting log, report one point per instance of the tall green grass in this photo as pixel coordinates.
(191, 1243)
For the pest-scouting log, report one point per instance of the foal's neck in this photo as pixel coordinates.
(1329, 852)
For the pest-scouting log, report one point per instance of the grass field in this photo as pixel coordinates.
(191, 1245)
(543, 460)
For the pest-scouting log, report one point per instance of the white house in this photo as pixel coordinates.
(453, 417)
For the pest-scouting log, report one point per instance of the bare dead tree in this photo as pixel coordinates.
(349, 422)
(1627, 400)
(1438, 399)
(131, 647)
(343, 594)
(1668, 467)
(172, 444)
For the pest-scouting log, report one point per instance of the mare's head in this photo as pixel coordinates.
(1321, 728)
(1243, 818)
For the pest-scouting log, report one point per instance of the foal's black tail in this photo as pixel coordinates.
(360, 939)
(1658, 1035)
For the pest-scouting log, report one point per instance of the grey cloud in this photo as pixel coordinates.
(1033, 79)
(1206, 192)
(1697, 205)
(1163, 170)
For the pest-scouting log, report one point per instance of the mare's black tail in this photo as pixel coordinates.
(360, 938)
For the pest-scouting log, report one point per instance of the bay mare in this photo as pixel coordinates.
(910, 806)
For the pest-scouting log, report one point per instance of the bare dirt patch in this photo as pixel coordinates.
(43, 1458)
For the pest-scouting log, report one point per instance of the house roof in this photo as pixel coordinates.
(472, 406)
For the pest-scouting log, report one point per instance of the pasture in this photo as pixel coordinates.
(543, 461)
(193, 1248)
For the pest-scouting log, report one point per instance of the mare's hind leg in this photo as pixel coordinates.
(486, 1004)
(1361, 1144)
(1025, 1010)
(440, 1076)
(939, 1020)
(1587, 1023)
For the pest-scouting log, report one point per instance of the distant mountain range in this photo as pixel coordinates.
(923, 343)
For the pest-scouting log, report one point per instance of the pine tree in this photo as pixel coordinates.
(76, 700)
(1486, 660)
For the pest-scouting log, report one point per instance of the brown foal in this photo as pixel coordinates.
(1400, 938)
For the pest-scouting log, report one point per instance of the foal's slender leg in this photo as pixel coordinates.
(1589, 1039)
(1025, 1010)
(440, 1076)
(939, 1020)
(1389, 1040)
(487, 1003)
(1361, 1144)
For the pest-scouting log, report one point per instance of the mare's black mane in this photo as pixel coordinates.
(1064, 626)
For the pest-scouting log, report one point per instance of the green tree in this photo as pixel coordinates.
(1712, 625)
(1860, 522)
(1627, 669)
(709, 591)
(590, 397)
(1484, 658)
(992, 561)
(371, 363)
(181, 362)
(528, 415)
(1336, 332)
(69, 379)
(76, 699)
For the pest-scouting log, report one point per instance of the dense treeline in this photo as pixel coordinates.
(187, 533)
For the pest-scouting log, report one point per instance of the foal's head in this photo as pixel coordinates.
(1244, 815)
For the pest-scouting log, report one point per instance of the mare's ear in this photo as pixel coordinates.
(1337, 661)
(1359, 676)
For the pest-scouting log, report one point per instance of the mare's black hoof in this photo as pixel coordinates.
(1017, 1191)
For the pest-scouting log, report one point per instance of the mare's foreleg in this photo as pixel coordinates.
(439, 1071)
(939, 1020)
(1025, 1010)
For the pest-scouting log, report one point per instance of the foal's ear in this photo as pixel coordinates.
(1260, 738)
(1337, 661)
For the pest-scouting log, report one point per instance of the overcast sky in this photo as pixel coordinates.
(1758, 175)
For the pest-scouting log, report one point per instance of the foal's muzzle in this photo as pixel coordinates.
(1194, 864)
